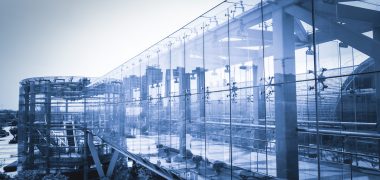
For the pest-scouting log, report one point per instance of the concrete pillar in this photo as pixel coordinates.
(167, 82)
(285, 96)
(129, 84)
(259, 101)
(144, 95)
(121, 113)
(200, 72)
(184, 107)
(168, 78)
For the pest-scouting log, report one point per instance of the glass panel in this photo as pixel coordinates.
(346, 78)
(218, 134)
(250, 89)
(195, 101)
(216, 53)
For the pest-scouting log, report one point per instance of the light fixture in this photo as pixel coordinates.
(309, 51)
(343, 45)
(243, 67)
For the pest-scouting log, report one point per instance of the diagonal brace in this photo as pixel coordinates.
(95, 156)
(358, 41)
(112, 164)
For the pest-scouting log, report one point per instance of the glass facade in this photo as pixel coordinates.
(285, 89)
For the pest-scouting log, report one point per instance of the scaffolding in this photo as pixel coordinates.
(51, 128)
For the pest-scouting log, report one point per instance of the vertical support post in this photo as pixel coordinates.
(122, 114)
(260, 104)
(66, 110)
(144, 100)
(85, 145)
(107, 106)
(184, 107)
(85, 155)
(168, 90)
(167, 82)
(23, 127)
(114, 108)
(376, 36)
(20, 127)
(48, 124)
(188, 98)
(200, 90)
(128, 85)
(285, 96)
(260, 94)
(32, 116)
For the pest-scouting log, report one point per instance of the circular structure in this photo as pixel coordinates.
(50, 130)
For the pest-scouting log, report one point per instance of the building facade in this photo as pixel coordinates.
(271, 88)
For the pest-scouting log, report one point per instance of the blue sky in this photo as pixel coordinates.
(81, 37)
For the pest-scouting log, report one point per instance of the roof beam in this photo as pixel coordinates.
(359, 14)
(357, 40)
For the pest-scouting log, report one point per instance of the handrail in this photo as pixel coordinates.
(342, 133)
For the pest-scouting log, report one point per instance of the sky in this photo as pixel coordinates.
(81, 37)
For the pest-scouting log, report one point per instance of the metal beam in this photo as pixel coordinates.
(300, 31)
(162, 172)
(358, 41)
(359, 14)
(112, 164)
